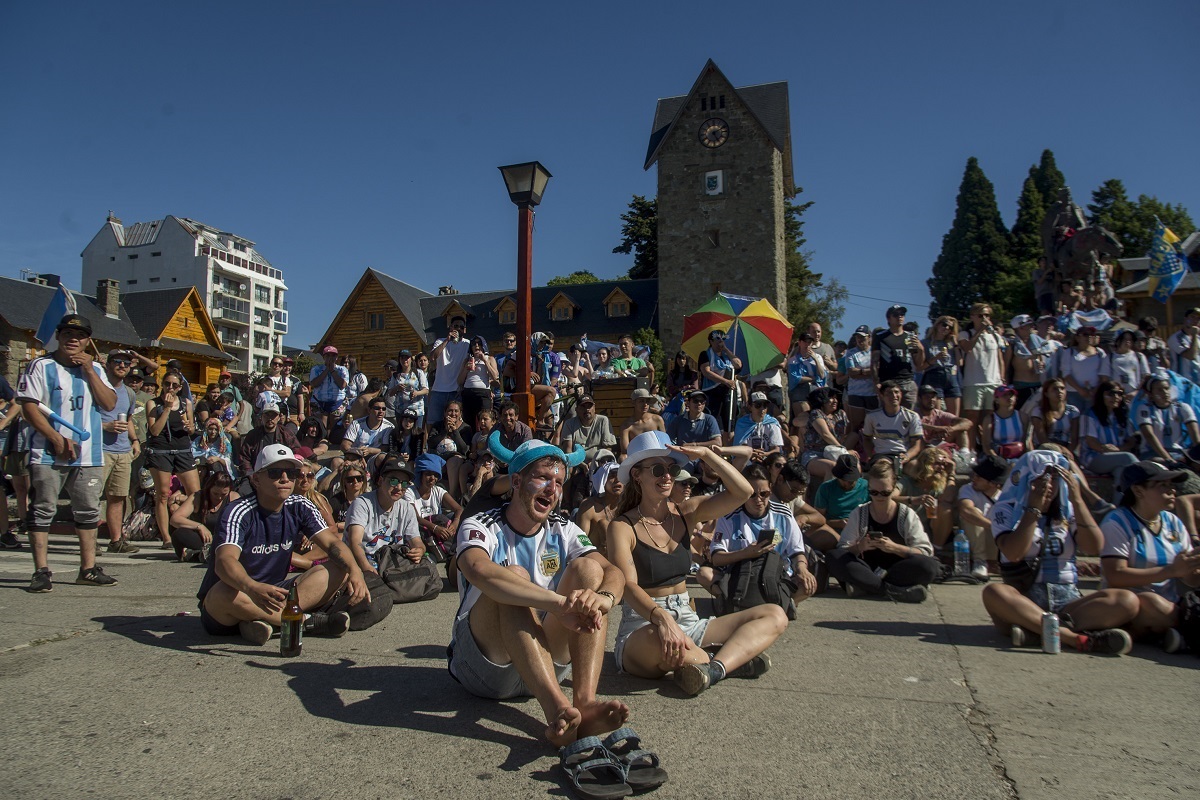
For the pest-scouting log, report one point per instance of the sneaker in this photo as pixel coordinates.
(41, 581)
(9, 541)
(122, 545)
(854, 591)
(752, 668)
(256, 631)
(1173, 641)
(979, 570)
(907, 594)
(94, 577)
(1111, 641)
(331, 625)
(693, 678)
(1023, 638)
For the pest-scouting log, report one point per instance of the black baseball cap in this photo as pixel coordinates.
(74, 321)
(847, 468)
(1146, 471)
(897, 311)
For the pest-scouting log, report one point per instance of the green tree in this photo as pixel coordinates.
(974, 251)
(1133, 222)
(648, 337)
(639, 235)
(1048, 180)
(809, 297)
(1014, 289)
(576, 277)
(1148, 208)
(303, 366)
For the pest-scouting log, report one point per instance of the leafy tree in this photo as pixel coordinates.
(303, 366)
(1174, 217)
(974, 251)
(1014, 289)
(1048, 180)
(1133, 222)
(577, 277)
(639, 235)
(809, 297)
(649, 337)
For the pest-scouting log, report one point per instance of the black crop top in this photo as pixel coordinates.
(656, 568)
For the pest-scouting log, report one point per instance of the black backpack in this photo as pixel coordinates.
(755, 582)
(1189, 619)
(369, 611)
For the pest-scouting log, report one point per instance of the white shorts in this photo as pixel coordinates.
(678, 606)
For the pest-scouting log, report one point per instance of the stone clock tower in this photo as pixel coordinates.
(724, 160)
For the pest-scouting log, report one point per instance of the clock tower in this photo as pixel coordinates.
(724, 160)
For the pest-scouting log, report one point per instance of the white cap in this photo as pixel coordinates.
(268, 408)
(758, 397)
(447, 447)
(274, 454)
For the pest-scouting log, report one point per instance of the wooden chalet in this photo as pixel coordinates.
(173, 324)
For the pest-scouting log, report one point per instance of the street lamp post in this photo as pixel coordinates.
(525, 183)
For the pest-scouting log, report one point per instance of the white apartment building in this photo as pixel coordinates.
(243, 293)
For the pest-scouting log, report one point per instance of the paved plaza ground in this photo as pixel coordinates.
(108, 693)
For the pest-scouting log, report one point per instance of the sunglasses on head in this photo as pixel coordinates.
(658, 470)
(287, 473)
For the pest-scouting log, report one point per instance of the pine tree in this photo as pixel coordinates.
(1148, 208)
(809, 297)
(1048, 180)
(974, 251)
(1014, 292)
(639, 235)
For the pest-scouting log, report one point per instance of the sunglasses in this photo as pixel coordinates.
(287, 473)
(393, 482)
(308, 476)
(658, 470)
(172, 385)
(880, 492)
(759, 404)
(353, 479)
(762, 495)
(120, 362)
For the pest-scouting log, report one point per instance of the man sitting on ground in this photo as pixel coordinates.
(247, 581)
(835, 499)
(940, 427)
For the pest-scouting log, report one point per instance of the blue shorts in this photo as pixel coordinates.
(1053, 596)
(327, 406)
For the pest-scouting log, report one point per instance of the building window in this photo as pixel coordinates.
(156, 255)
(508, 317)
(561, 313)
(375, 322)
(239, 247)
(131, 281)
(618, 309)
(155, 279)
(722, 101)
(132, 256)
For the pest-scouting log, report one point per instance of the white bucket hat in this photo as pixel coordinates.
(651, 444)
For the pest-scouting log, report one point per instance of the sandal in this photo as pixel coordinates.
(642, 770)
(594, 772)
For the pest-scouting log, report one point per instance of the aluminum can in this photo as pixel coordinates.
(1050, 640)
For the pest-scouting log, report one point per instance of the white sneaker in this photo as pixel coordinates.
(1023, 638)
(979, 570)
(1172, 641)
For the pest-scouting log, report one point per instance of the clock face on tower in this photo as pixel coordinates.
(714, 132)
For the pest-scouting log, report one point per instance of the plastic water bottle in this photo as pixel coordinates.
(962, 553)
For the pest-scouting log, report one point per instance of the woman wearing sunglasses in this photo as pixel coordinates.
(194, 520)
(306, 555)
(351, 483)
(887, 536)
(1107, 438)
(169, 449)
(649, 542)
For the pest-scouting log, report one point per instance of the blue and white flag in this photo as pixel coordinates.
(1167, 267)
(61, 304)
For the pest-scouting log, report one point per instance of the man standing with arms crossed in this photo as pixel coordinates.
(121, 449)
(72, 385)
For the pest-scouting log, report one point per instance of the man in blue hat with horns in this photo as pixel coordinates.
(535, 594)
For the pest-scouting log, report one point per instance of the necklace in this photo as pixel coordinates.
(670, 531)
(1151, 524)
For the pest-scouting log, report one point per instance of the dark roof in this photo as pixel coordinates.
(195, 348)
(152, 310)
(407, 298)
(22, 304)
(767, 102)
(589, 313)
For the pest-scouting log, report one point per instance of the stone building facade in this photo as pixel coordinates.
(724, 169)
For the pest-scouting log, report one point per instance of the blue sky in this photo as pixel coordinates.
(340, 136)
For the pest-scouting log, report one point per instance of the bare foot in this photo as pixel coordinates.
(563, 728)
(602, 717)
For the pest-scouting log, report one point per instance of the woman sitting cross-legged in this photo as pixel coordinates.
(194, 520)
(649, 542)
(887, 535)
(1038, 521)
(1148, 550)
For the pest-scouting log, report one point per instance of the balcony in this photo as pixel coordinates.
(281, 321)
(226, 314)
(227, 289)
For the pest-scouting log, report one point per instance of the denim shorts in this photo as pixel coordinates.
(1053, 596)
(481, 677)
(678, 606)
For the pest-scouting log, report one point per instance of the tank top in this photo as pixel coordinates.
(656, 569)
(1007, 431)
(173, 435)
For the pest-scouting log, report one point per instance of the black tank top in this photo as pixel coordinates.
(173, 434)
(656, 569)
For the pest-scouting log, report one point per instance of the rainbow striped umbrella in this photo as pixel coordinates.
(755, 331)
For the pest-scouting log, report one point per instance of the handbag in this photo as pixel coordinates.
(1022, 575)
(1011, 450)
(410, 582)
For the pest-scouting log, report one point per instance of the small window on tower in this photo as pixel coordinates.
(722, 101)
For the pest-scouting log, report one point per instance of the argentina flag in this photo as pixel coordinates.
(61, 304)
(1167, 267)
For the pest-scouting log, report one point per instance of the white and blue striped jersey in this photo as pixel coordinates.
(1054, 540)
(65, 391)
(1168, 424)
(1113, 433)
(544, 555)
(1060, 431)
(1007, 430)
(1126, 537)
(739, 530)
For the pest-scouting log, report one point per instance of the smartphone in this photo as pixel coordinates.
(874, 535)
(766, 536)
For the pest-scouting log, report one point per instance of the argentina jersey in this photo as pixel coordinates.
(1007, 430)
(543, 555)
(66, 392)
(1125, 536)
(1053, 540)
(738, 530)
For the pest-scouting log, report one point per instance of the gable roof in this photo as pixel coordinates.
(151, 311)
(766, 102)
(407, 298)
(22, 305)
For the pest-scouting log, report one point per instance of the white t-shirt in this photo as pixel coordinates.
(737, 531)
(1188, 368)
(66, 392)
(981, 364)
(891, 435)
(1128, 369)
(362, 436)
(544, 555)
(426, 508)
(449, 362)
(379, 527)
(982, 503)
(1085, 370)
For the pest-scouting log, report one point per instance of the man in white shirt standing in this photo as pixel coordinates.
(448, 355)
(1184, 345)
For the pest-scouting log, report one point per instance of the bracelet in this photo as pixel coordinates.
(1035, 510)
(609, 595)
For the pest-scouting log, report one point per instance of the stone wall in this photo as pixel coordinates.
(732, 242)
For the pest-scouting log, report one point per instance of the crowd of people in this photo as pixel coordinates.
(865, 462)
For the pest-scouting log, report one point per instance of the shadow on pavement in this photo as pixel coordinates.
(933, 632)
(182, 634)
(419, 698)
